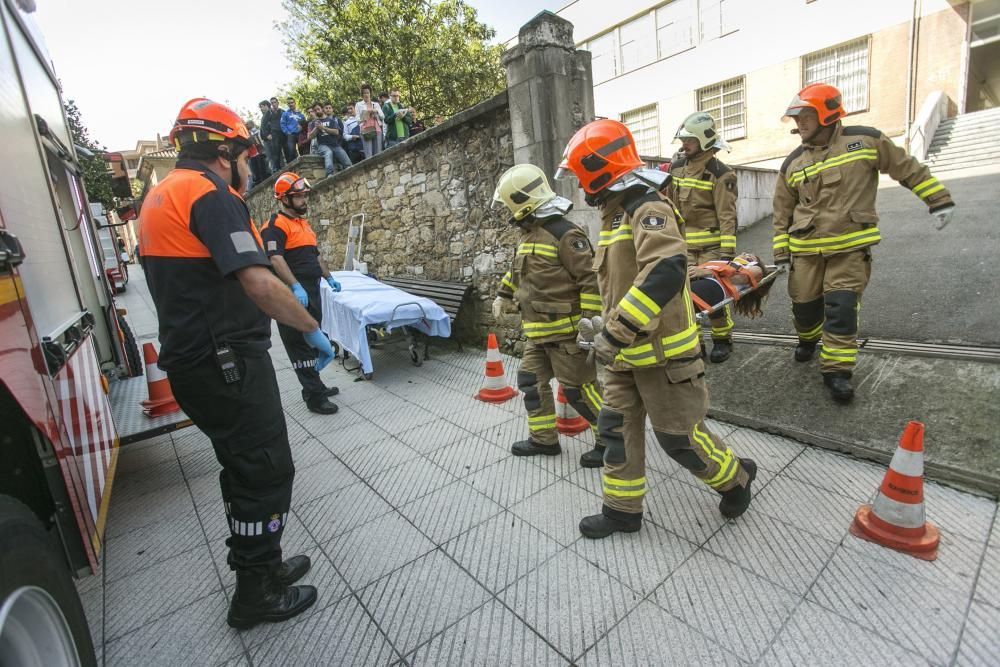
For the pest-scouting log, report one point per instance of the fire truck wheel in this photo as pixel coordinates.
(41, 617)
(132, 356)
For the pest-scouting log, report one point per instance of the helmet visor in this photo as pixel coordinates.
(299, 187)
(796, 106)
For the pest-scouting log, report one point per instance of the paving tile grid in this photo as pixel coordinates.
(431, 544)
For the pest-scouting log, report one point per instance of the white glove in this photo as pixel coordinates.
(943, 216)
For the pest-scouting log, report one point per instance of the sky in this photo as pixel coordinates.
(131, 64)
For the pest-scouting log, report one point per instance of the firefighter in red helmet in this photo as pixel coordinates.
(825, 224)
(648, 338)
(214, 293)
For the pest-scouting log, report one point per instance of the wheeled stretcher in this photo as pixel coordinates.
(366, 309)
(772, 274)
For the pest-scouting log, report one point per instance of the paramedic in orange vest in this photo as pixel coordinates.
(214, 294)
(291, 244)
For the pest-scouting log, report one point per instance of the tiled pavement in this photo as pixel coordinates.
(432, 545)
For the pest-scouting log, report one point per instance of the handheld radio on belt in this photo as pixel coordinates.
(225, 358)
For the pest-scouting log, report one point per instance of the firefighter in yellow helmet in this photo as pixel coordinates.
(553, 282)
(825, 224)
(648, 339)
(704, 191)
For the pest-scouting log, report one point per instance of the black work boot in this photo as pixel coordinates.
(804, 351)
(840, 386)
(721, 349)
(260, 599)
(532, 448)
(735, 501)
(321, 406)
(608, 522)
(292, 570)
(594, 458)
(332, 391)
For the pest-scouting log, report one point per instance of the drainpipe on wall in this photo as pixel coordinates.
(911, 66)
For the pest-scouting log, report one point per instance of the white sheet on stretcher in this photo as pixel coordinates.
(363, 301)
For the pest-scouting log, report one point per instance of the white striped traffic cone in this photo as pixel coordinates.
(568, 420)
(495, 390)
(161, 398)
(896, 519)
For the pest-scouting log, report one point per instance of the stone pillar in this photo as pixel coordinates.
(550, 91)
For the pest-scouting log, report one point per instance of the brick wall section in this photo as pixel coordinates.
(427, 207)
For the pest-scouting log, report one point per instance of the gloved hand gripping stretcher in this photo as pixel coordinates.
(364, 305)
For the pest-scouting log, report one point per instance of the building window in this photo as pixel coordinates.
(133, 164)
(675, 27)
(726, 102)
(844, 66)
(644, 123)
(603, 62)
(637, 45)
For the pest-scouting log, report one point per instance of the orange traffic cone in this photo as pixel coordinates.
(495, 390)
(161, 398)
(896, 519)
(568, 420)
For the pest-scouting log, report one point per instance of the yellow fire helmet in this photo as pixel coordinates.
(701, 126)
(522, 189)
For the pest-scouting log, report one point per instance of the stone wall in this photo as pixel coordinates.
(426, 204)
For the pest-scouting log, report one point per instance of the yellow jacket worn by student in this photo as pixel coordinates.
(553, 282)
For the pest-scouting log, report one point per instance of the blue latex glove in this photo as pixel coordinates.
(300, 294)
(332, 282)
(318, 341)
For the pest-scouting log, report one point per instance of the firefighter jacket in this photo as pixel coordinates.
(824, 200)
(552, 279)
(704, 191)
(642, 270)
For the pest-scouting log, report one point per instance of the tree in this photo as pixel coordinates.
(96, 178)
(437, 53)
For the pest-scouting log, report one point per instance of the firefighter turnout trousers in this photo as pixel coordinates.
(826, 300)
(676, 399)
(246, 425)
(302, 356)
(566, 362)
(722, 319)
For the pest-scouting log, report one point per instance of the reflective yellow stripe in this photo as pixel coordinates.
(543, 249)
(673, 346)
(925, 195)
(813, 169)
(541, 422)
(623, 233)
(590, 301)
(924, 185)
(703, 234)
(506, 282)
(726, 327)
(591, 392)
(707, 445)
(693, 183)
(728, 241)
(812, 334)
(842, 242)
(639, 306)
(839, 354)
(624, 488)
(725, 459)
(542, 329)
(780, 241)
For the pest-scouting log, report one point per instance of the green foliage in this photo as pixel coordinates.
(96, 178)
(437, 53)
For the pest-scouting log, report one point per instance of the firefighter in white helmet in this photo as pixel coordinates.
(553, 283)
(704, 191)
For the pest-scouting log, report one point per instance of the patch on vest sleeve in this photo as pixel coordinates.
(653, 222)
(272, 246)
(854, 146)
(581, 245)
(243, 242)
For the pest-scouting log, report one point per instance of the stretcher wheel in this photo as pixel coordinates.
(336, 349)
(415, 356)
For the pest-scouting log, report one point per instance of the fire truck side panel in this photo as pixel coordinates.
(25, 198)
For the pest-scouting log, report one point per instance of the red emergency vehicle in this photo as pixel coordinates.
(66, 352)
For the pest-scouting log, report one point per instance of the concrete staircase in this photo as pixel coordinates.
(969, 140)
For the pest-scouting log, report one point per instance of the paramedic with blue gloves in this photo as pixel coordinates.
(291, 244)
(214, 293)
